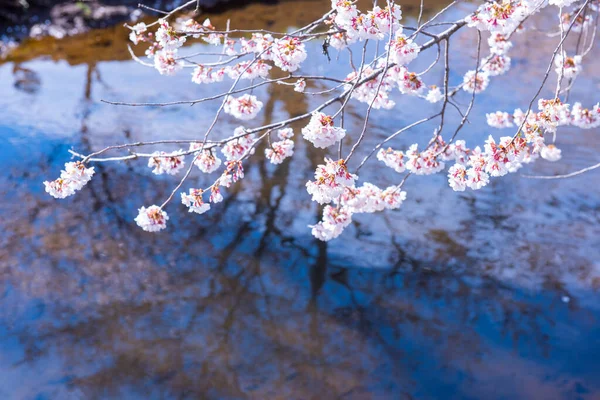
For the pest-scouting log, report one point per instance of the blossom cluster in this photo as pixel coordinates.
(193, 200)
(74, 177)
(568, 67)
(282, 149)
(333, 183)
(165, 49)
(237, 148)
(578, 23)
(510, 153)
(502, 16)
(245, 107)
(356, 26)
(474, 167)
(374, 91)
(166, 163)
(330, 180)
(286, 53)
(321, 131)
(152, 219)
(551, 114)
(367, 198)
(205, 159)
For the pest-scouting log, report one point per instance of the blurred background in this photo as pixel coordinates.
(482, 295)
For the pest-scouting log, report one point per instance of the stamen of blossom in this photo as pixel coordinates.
(457, 177)
(569, 67)
(321, 132)
(249, 70)
(424, 163)
(205, 159)
(335, 219)
(237, 148)
(245, 107)
(496, 158)
(459, 152)
(168, 39)
(330, 180)
(367, 92)
(288, 53)
(300, 85)
(409, 82)
(166, 163)
(363, 27)
(203, 74)
(259, 44)
(402, 50)
(152, 219)
(496, 65)
(285, 133)
(476, 175)
(279, 151)
(215, 195)
(59, 188)
(165, 62)
(194, 201)
(381, 17)
(552, 114)
(346, 11)
(476, 178)
(137, 33)
(77, 174)
(73, 178)
(499, 44)
(584, 118)
(393, 197)
(503, 16)
(392, 158)
(233, 169)
(475, 81)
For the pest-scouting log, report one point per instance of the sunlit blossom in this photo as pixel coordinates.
(152, 219)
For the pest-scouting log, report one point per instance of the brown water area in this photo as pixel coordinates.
(477, 295)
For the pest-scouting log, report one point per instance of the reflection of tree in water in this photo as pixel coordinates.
(241, 307)
(26, 79)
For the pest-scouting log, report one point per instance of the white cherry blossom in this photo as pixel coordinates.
(194, 201)
(152, 219)
(321, 131)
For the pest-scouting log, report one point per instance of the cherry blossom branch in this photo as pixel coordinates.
(570, 175)
(547, 73)
(371, 83)
(392, 136)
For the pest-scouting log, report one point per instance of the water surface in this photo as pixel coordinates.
(490, 294)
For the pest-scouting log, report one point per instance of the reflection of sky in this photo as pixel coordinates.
(456, 295)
